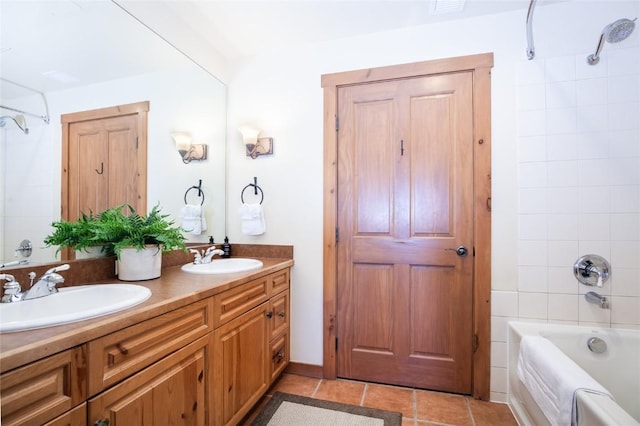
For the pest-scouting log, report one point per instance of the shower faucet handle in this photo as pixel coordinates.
(592, 270)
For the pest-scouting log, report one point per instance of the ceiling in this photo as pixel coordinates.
(241, 28)
(55, 44)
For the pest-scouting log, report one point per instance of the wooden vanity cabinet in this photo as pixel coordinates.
(252, 348)
(207, 363)
(41, 391)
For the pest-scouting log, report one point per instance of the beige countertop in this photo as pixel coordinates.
(172, 290)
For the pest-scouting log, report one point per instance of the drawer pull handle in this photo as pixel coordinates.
(269, 314)
(122, 349)
(101, 422)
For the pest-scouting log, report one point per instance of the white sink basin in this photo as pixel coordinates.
(223, 266)
(70, 304)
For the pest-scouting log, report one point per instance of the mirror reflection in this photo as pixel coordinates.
(65, 57)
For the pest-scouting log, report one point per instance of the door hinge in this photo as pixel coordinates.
(336, 344)
(337, 123)
(475, 343)
(337, 234)
(136, 142)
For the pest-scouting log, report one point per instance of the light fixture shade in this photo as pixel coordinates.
(249, 135)
(182, 141)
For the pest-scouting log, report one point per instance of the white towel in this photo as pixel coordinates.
(252, 219)
(553, 379)
(193, 221)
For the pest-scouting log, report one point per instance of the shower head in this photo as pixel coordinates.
(19, 119)
(612, 33)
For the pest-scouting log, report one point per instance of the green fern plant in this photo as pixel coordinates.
(116, 228)
(133, 230)
(78, 235)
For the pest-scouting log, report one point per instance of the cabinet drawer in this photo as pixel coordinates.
(234, 302)
(45, 389)
(279, 354)
(278, 314)
(279, 281)
(125, 352)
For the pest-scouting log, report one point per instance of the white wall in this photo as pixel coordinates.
(183, 99)
(281, 93)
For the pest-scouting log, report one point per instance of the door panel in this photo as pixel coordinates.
(103, 165)
(405, 179)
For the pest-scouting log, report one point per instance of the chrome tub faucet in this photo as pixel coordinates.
(596, 299)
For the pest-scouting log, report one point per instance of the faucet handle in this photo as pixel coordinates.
(592, 270)
(58, 269)
(7, 277)
(11, 287)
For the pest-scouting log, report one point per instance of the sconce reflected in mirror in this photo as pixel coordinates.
(187, 150)
(256, 146)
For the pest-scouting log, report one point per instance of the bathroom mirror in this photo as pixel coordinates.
(90, 55)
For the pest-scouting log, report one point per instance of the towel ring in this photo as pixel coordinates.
(200, 194)
(256, 189)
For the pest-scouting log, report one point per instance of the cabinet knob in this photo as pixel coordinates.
(101, 422)
(269, 314)
(281, 314)
(278, 357)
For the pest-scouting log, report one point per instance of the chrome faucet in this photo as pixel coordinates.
(45, 286)
(596, 299)
(211, 251)
(201, 257)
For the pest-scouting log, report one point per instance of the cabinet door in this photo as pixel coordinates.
(169, 392)
(240, 369)
(38, 392)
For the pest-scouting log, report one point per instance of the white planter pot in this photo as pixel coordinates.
(90, 252)
(133, 265)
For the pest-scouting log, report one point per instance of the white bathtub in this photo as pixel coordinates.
(617, 369)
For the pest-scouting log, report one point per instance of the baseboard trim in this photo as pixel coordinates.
(307, 370)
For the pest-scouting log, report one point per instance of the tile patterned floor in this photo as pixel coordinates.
(418, 407)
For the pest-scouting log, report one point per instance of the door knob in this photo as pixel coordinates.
(462, 251)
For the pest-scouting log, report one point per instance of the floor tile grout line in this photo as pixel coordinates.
(473, 421)
(315, 391)
(364, 393)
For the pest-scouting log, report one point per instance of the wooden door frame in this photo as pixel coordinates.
(480, 65)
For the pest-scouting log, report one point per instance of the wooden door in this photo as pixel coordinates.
(405, 204)
(104, 159)
(103, 168)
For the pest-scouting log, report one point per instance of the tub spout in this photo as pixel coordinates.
(596, 299)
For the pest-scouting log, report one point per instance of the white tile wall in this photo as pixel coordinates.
(578, 187)
(578, 193)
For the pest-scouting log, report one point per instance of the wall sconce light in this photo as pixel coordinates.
(187, 150)
(255, 145)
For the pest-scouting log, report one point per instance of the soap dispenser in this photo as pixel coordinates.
(226, 247)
